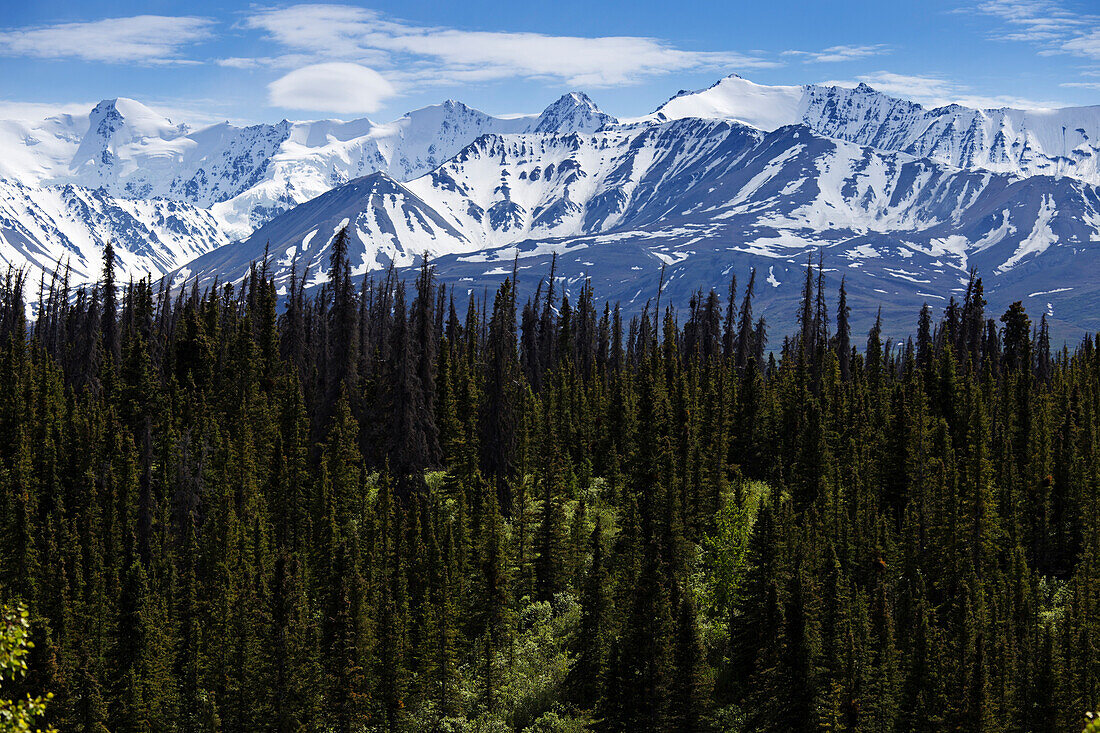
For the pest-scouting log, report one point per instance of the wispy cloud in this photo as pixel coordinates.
(239, 62)
(839, 53)
(924, 89)
(144, 39)
(1048, 25)
(36, 111)
(934, 91)
(1085, 45)
(190, 110)
(409, 53)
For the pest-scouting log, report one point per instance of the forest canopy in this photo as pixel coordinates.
(386, 505)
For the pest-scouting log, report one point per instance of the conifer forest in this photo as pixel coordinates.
(389, 505)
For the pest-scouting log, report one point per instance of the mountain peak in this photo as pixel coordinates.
(576, 98)
(572, 112)
(113, 115)
(114, 124)
(127, 107)
(450, 110)
(377, 179)
(738, 99)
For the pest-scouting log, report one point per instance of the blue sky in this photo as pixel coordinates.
(204, 61)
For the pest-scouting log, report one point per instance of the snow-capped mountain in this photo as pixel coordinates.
(246, 175)
(1054, 142)
(498, 190)
(574, 112)
(903, 200)
(64, 228)
(707, 198)
(223, 180)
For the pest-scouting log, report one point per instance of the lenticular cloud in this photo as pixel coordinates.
(343, 88)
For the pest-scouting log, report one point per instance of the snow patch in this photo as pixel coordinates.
(771, 277)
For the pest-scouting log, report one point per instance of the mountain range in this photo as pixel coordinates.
(901, 201)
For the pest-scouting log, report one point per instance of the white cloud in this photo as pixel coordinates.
(443, 55)
(35, 111)
(150, 39)
(839, 53)
(1046, 24)
(1031, 19)
(918, 88)
(238, 62)
(282, 61)
(192, 111)
(1085, 45)
(932, 91)
(979, 101)
(339, 87)
(1051, 28)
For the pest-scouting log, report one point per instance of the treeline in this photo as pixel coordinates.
(391, 506)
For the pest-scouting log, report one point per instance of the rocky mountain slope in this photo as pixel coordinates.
(706, 199)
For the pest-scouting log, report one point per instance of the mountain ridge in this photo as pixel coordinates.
(1063, 141)
(700, 196)
(740, 171)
